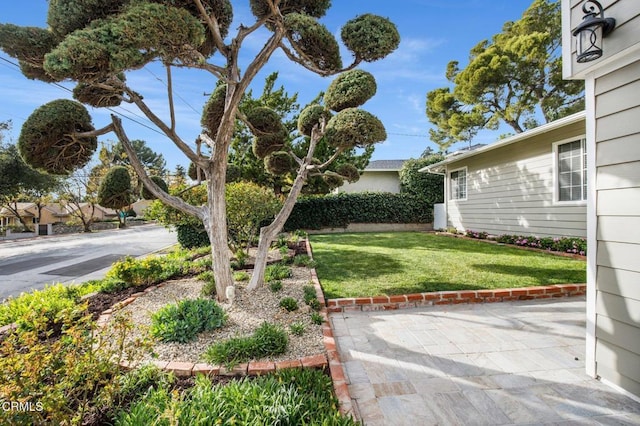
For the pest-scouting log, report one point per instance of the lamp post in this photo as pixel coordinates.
(591, 31)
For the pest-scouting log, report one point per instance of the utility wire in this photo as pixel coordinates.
(176, 93)
(60, 86)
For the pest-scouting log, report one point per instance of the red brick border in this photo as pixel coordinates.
(438, 298)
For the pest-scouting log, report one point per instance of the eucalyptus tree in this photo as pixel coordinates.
(512, 78)
(95, 43)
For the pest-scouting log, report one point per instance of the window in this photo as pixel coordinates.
(458, 180)
(572, 171)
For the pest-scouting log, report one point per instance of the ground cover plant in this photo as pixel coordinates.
(288, 397)
(182, 321)
(370, 264)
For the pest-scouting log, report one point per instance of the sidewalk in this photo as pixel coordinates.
(484, 364)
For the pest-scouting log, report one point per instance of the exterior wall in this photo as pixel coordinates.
(617, 138)
(612, 88)
(374, 181)
(511, 190)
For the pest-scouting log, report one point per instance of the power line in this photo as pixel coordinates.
(176, 93)
(60, 86)
(408, 134)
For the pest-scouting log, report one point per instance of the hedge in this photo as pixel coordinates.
(190, 236)
(338, 211)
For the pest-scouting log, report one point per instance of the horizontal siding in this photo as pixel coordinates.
(618, 366)
(621, 309)
(619, 333)
(626, 175)
(612, 82)
(619, 282)
(619, 202)
(511, 190)
(616, 151)
(622, 98)
(618, 125)
(619, 255)
(619, 229)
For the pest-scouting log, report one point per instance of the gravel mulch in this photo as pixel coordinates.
(248, 311)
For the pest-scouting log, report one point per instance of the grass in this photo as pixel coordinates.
(370, 264)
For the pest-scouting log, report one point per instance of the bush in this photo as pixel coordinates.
(267, 340)
(275, 286)
(49, 303)
(427, 186)
(289, 303)
(70, 378)
(190, 236)
(316, 318)
(338, 211)
(209, 287)
(147, 271)
(181, 322)
(304, 260)
(276, 272)
(241, 276)
(297, 328)
(475, 234)
(564, 245)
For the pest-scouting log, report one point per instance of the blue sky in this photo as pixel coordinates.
(433, 32)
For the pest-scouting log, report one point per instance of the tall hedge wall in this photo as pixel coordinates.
(337, 211)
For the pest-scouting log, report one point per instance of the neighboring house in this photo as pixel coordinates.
(50, 213)
(612, 98)
(378, 176)
(532, 183)
(53, 213)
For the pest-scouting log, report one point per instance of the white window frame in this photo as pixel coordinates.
(556, 174)
(466, 184)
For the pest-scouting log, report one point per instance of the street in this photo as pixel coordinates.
(30, 264)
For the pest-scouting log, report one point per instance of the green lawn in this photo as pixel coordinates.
(370, 264)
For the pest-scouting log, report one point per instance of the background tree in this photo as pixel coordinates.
(512, 79)
(96, 43)
(79, 193)
(115, 191)
(20, 183)
(423, 185)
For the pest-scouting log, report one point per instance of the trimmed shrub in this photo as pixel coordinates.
(338, 211)
(289, 303)
(190, 236)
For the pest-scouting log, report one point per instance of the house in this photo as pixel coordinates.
(378, 176)
(612, 98)
(52, 213)
(49, 213)
(532, 183)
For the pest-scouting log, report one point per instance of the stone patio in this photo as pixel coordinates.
(480, 364)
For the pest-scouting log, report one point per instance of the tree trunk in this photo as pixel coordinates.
(216, 225)
(270, 232)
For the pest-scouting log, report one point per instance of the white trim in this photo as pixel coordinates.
(556, 194)
(620, 390)
(466, 183)
(554, 125)
(567, 40)
(592, 225)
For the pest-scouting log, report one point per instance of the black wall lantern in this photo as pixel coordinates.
(593, 28)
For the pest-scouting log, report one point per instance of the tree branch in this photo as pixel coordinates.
(170, 133)
(170, 98)
(212, 23)
(171, 200)
(94, 133)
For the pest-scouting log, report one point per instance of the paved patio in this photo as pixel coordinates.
(484, 364)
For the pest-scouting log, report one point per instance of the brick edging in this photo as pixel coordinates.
(437, 298)
(340, 385)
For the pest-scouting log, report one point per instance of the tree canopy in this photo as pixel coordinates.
(513, 78)
(95, 43)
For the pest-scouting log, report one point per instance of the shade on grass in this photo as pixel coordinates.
(370, 264)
